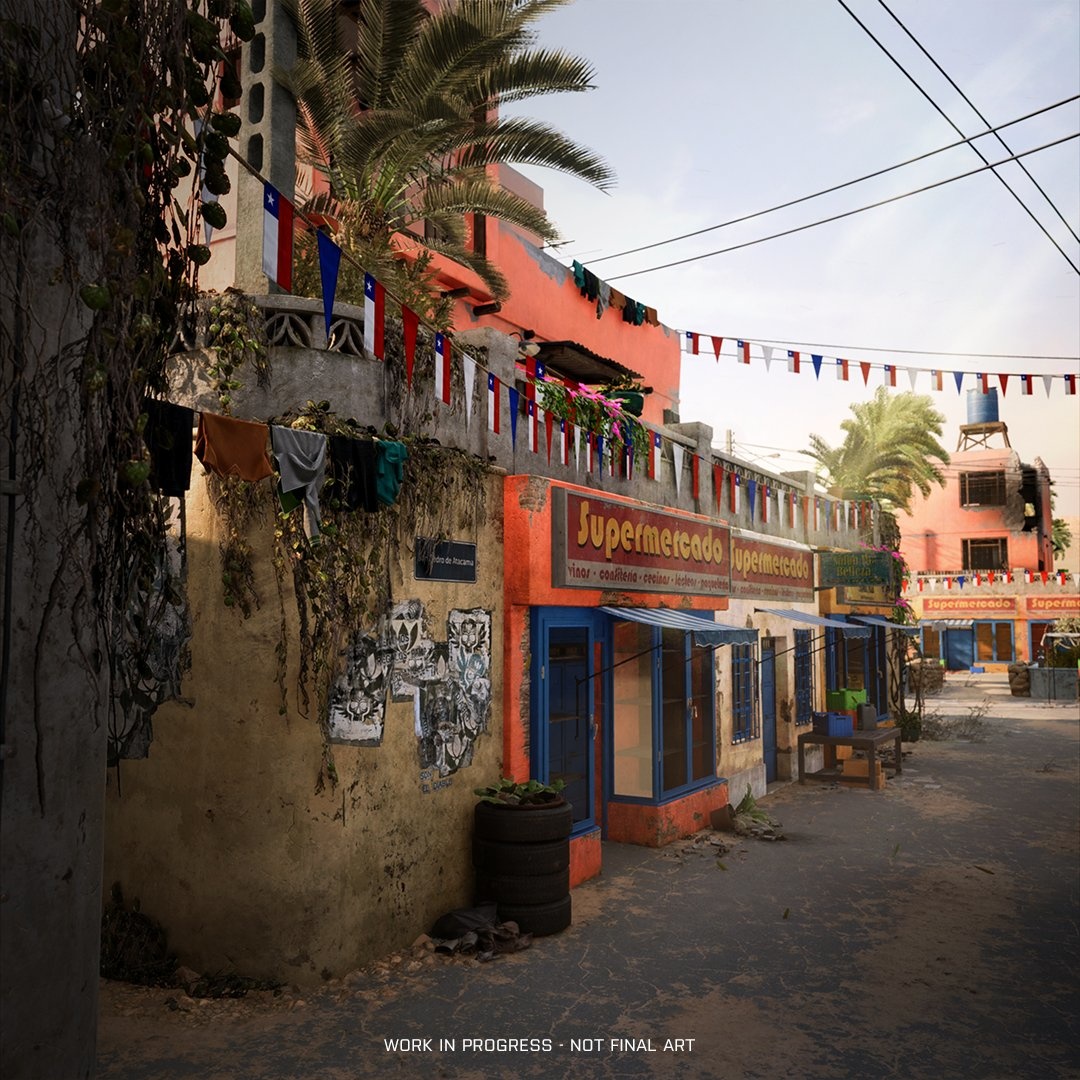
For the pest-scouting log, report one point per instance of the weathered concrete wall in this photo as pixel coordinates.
(221, 833)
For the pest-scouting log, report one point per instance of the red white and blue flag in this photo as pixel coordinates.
(493, 404)
(793, 362)
(890, 374)
(1070, 384)
(277, 237)
(693, 342)
(374, 317)
(654, 456)
(842, 370)
(744, 351)
(533, 426)
(442, 368)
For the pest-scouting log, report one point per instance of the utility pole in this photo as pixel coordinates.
(729, 442)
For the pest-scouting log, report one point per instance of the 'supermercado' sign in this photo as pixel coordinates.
(601, 544)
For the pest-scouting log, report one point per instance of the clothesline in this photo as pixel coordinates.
(368, 472)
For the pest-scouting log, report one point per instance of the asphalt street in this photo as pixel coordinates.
(928, 930)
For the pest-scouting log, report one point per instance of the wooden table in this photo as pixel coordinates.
(869, 741)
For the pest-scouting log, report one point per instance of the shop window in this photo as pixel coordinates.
(744, 720)
(994, 642)
(804, 677)
(986, 554)
(931, 643)
(663, 711)
(632, 659)
(983, 489)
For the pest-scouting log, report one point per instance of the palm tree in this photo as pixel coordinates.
(402, 124)
(1061, 538)
(890, 448)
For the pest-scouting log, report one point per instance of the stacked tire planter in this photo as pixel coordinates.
(522, 860)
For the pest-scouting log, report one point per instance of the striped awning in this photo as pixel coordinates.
(848, 629)
(705, 631)
(877, 620)
(947, 624)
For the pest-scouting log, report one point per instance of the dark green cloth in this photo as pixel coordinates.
(389, 470)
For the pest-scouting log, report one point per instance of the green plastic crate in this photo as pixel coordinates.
(844, 700)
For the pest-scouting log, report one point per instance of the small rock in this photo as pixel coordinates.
(186, 977)
(299, 1003)
(413, 965)
(425, 943)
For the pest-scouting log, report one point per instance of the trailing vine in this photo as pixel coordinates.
(106, 115)
(235, 335)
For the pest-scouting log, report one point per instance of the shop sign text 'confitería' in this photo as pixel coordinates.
(598, 544)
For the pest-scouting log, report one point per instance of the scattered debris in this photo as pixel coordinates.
(787, 912)
(984, 869)
(938, 727)
(1048, 766)
(134, 947)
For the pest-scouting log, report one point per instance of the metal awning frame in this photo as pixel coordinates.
(848, 629)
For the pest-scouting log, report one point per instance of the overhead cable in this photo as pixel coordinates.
(851, 213)
(989, 129)
(942, 112)
(835, 187)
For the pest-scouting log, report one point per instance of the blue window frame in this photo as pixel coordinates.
(662, 720)
(743, 714)
(804, 677)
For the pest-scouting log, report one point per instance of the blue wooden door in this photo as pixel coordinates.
(768, 712)
(569, 716)
(959, 649)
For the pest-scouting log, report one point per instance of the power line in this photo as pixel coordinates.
(835, 187)
(989, 129)
(941, 111)
(851, 213)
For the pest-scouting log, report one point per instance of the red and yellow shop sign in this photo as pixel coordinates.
(772, 571)
(599, 544)
(969, 605)
(1054, 605)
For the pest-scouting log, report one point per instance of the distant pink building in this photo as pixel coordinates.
(979, 549)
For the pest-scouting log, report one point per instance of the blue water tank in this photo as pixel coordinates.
(982, 408)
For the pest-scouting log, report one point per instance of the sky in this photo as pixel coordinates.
(708, 110)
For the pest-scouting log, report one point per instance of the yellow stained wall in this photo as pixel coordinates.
(221, 834)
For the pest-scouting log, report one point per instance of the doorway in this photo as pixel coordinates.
(767, 667)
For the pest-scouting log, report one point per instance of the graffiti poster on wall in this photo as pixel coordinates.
(469, 654)
(448, 683)
(416, 658)
(358, 696)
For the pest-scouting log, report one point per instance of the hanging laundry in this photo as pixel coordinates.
(353, 472)
(579, 274)
(301, 459)
(389, 470)
(617, 299)
(629, 313)
(231, 447)
(603, 299)
(639, 313)
(168, 438)
(651, 317)
(587, 282)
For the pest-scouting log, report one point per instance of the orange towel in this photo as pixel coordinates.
(233, 447)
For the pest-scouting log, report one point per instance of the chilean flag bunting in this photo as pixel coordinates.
(277, 257)
(374, 317)
(442, 368)
(493, 404)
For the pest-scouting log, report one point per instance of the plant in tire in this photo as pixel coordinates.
(508, 792)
